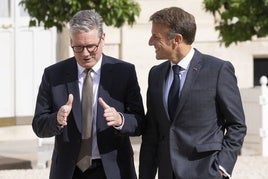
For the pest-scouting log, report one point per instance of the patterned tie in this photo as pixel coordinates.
(84, 158)
(173, 96)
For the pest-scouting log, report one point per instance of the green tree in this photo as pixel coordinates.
(239, 20)
(56, 13)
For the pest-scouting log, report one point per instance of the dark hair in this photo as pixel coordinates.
(179, 22)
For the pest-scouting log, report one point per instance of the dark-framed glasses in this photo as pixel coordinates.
(90, 48)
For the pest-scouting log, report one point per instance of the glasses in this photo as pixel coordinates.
(90, 48)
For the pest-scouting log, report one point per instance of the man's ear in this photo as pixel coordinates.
(178, 38)
(103, 38)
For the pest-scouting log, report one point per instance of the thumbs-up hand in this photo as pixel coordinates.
(112, 117)
(64, 111)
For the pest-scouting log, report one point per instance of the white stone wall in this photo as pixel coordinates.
(131, 43)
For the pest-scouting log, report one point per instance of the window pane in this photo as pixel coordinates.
(4, 8)
(23, 13)
(260, 69)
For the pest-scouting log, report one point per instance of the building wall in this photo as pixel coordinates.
(24, 54)
(133, 44)
(127, 43)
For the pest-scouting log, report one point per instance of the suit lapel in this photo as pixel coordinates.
(157, 87)
(162, 85)
(72, 87)
(106, 79)
(192, 74)
(105, 85)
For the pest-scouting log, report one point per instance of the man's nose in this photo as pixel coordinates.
(150, 42)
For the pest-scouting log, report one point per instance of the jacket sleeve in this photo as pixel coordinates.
(134, 110)
(229, 100)
(44, 122)
(148, 153)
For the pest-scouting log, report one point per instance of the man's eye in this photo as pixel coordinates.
(155, 37)
(90, 46)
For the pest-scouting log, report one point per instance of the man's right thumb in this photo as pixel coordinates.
(70, 100)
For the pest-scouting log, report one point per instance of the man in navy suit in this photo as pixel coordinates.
(117, 106)
(197, 133)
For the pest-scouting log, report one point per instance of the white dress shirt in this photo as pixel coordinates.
(95, 74)
(184, 64)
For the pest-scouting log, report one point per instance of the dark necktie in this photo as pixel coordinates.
(173, 96)
(84, 158)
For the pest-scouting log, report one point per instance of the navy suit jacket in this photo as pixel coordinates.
(119, 88)
(209, 125)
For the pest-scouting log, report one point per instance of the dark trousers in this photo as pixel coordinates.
(96, 171)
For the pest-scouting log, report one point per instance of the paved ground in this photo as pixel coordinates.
(247, 166)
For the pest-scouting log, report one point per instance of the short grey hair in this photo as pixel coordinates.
(85, 21)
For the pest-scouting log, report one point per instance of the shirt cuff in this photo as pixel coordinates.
(123, 121)
(224, 172)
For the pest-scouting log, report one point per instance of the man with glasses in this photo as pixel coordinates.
(91, 103)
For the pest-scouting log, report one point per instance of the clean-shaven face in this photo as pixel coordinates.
(163, 47)
(92, 44)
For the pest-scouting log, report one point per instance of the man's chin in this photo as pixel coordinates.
(89, 64)
(159, 58)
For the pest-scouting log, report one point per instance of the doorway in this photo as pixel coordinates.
(25, 52)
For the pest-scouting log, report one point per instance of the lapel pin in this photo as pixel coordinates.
(195, 68)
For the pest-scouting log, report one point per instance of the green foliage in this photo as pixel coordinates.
(56, 13)
(239, 20)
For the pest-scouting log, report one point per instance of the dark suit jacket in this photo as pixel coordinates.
(119, 88)
(209, 125)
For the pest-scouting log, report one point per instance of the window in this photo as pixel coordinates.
(23, 12)
(5, 8)
(260, 69)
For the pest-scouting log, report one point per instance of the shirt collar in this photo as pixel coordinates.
(184, 63)
(96, 68)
